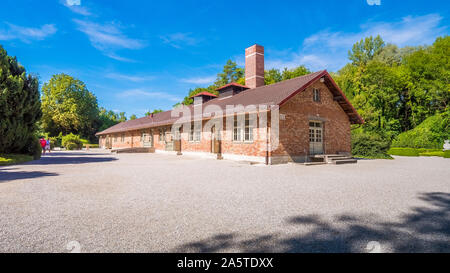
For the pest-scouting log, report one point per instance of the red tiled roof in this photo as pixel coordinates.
(204, 94)
(232, 84)
(268, 95)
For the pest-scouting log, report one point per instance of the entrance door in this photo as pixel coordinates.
(168, 141)
(108, 142)
(147, 140)
(315, 137)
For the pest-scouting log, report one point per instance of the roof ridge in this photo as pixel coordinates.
(280, 82)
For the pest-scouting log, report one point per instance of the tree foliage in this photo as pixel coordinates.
(395, 89)
(230, 73)
(20, 107)
(68, 107)
(108, 118)
(148, 113)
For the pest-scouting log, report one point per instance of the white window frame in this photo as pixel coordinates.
(316, 95)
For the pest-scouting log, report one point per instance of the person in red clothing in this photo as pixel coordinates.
(43, 142)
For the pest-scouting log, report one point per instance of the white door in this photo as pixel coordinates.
(315, 137)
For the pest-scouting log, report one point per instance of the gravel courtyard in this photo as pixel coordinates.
(95, 201)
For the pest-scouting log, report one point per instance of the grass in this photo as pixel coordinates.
(91, 145)
(10, 159)
(418, 152)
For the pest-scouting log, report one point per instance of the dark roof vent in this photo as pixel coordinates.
(231, 89)
(203, 97)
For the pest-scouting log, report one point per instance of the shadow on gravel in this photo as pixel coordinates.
(424, 229)
(10, 176)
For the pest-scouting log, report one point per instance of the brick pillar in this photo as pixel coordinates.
(254, 66)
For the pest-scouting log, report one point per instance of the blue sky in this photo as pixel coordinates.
(141, 55)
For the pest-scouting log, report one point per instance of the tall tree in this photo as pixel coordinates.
(365, 50)
(153, 112)
(20, 107)
(69, 107)
(108, 118)
(231, 73)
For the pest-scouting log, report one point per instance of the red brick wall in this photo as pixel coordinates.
(254, 66)
(293, 134)
(299, 110)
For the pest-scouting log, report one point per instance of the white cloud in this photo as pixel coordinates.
(178, 40)
(132, 78)
(26, 34)
(75, 6)
(140, 93)
(73, 2)
(199, 80)
(108, 38)
(329, 50)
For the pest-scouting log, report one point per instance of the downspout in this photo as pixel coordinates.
(267, 140)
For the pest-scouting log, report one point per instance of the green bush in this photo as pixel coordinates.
(440, 154)
(447, 154)
(33, 148)
(72, 142)
(431, 133)
(56, 141)
(92, 145)
(369, 145)
(415, 152)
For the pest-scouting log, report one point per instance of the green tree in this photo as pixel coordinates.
(294, 72)
(365, 50)
(231, 73)
(153, 112)
(108, 118)
(69, 107)
(272, 76)
(20, 107)
(133, 117)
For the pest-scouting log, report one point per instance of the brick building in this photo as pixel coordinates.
(286, 121)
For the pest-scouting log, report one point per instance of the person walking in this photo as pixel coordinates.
(43, 143)
(47, 145)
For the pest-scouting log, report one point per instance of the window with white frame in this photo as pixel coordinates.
(237, 130)
(316, 95)
(122, 138)
(191, 133)
(161, 135)
(195, 134)
(248, 129)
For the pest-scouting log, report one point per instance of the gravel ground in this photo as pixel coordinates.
(101, 202)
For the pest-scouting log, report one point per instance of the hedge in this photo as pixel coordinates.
(418, 152)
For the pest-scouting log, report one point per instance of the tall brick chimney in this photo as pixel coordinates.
(254, 66)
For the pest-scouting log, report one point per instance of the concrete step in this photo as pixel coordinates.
(330, 160)
(345, 161)
(314, 163)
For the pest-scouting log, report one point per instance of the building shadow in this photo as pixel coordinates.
(11, 176)
(71, 158)
(424, 229)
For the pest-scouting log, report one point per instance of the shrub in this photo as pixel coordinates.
(56, 141)
(440, 154)
(370, 145)
(72, 142)
(447, 154)
(415, 152)
(431, 133)
(33, 148)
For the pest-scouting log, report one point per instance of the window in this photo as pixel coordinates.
(248, 129)
(122, 138)
(195, 134)
(316, 95)
(161, 135)
(311, 135)
(237, 130)
(191, 133)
